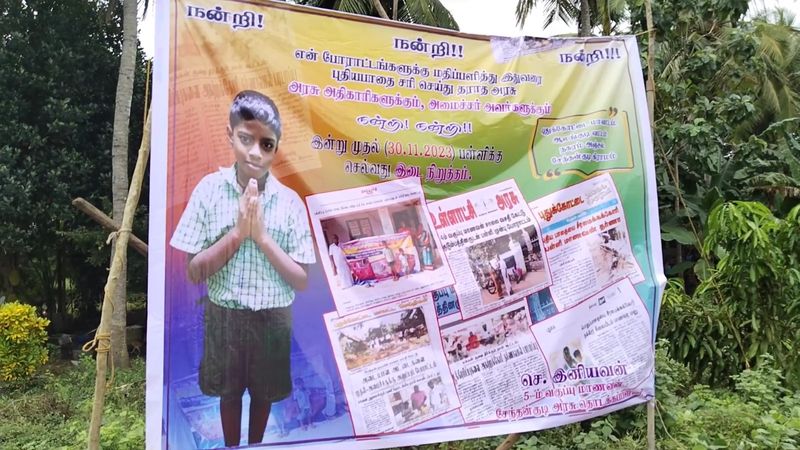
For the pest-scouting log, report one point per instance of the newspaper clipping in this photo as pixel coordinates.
(598, 353)
(492, 242)
(586, 239)
(392, 365)
(488, 357)
(377, 244)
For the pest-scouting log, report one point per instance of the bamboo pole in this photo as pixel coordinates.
(650, 87)
(102, 339)
(509, 442)
(106, 222)
(651, 425)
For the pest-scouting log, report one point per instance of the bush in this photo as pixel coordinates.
(52, 411)
(23, 342)
(748, 300)
(123, 415)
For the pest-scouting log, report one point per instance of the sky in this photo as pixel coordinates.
(494, 17)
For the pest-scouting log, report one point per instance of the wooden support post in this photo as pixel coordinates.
(650, 84)
(650, 87)
(106, 222)
(651, 425)
(102, 339)
(509, 442)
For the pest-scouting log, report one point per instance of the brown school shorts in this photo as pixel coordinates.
(245, 349)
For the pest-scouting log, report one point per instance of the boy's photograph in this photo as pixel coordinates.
(247, 238)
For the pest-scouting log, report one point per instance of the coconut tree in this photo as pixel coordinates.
(119, 167)
(759, 57)
(607, 13)
(776, 74)
(422, 12)
(566, 10)
(726, 118)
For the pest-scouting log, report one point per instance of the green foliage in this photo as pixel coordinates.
(758, 413)
(693, 326)
(423, 12)
(673, 379)
(762, 385)
(611, 14)
(749, 302)
(726, 118)
(23, 339)
(52, 411)
(60, 62)
(727, 127)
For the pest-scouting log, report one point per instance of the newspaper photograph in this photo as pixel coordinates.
(392, 365)
(489, 356)
(598, 353)
(492, 243)
(541, 305)
(376, 244)
(586, 239)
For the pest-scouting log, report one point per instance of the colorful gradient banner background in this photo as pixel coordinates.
(210, 61)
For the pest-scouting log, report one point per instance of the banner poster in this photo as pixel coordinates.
(370, 234)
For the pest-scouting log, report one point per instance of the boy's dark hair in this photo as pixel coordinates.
(252, 105)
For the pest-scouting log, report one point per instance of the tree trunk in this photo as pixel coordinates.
(379, 8)
(606, 19)
(585, 25)
(678, 247)
(119, 169)
(61, 302)
(47, 278)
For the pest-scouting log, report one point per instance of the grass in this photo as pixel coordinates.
(52, 410)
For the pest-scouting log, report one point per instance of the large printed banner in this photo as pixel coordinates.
(367, 234)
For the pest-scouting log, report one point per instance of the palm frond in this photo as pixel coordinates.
(327, 4)
(771, 48)
(775, 183)
(522, 11)
(363, 7)
(423, 12)
(430, 12)
(566, 10)
(789, 101)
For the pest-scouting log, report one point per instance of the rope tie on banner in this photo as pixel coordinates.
(115, 234)
(101, 344)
